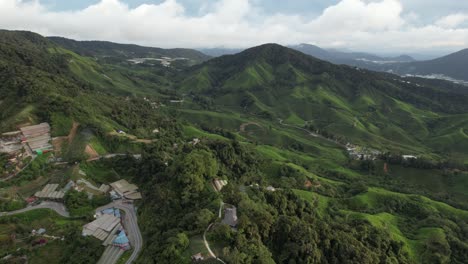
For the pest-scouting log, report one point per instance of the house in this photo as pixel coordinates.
(219, 184)
(198, 257)
(41, 231)
(407, 157)
(31, 199)
(124, 189)
(37, 137)
(104, 188)
(50, 192)
(121, 241)
(230, 216)
(102, 227)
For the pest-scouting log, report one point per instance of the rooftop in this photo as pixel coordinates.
(50, 191)
(125, 189)
(230, 216)
(101, 227)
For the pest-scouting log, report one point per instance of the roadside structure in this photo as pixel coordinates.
(408, 157)
(123, 189)
(109, 229)
(102, 227)
(197, 257)
(230, 216)
(219, 184)
(50, 192)
(23, 143)
(37, 137)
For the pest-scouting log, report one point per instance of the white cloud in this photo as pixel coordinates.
(452, 21)
(378, 25)
(350, 15)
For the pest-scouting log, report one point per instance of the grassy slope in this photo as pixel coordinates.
(365, 108)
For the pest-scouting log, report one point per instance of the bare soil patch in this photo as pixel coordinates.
(91, 152)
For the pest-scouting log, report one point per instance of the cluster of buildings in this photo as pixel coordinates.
(34, 139)
(164, 61)
(362, 153)
(108, 228)
(37, 137)
(121, 189)
(25, 142)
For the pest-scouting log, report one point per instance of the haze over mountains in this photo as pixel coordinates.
(452, 67)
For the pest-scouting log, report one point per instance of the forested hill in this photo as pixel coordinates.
(352, 105)
(454, 65)
(42, 81)
(101, 49)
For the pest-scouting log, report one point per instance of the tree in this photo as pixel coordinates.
(192, 170)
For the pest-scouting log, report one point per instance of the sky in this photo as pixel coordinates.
(379, 26)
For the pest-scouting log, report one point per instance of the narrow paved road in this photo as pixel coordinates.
(206, 242)
(18, 172)
(281, 122)
(57, 207)
(207, 245)
(131, 226)
(113, 155)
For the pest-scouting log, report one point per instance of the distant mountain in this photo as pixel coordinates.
(454, 65)
(280, 83)
(216, 52)
(349, 58)
(105, 49)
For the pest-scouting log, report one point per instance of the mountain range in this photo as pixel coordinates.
(321, 162)
(109, 50)
(278, 82)
(451, 67)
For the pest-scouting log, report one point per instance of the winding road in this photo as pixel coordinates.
(131, 226)
(113, 155)
(281, 122)
(207, 245)
(57, 207)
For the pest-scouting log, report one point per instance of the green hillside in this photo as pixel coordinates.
(362, 107)
(110, 51)
(274, 124)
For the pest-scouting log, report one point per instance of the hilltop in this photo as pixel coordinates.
(353, 105)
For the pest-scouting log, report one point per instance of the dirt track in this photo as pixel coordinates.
(243, 126)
